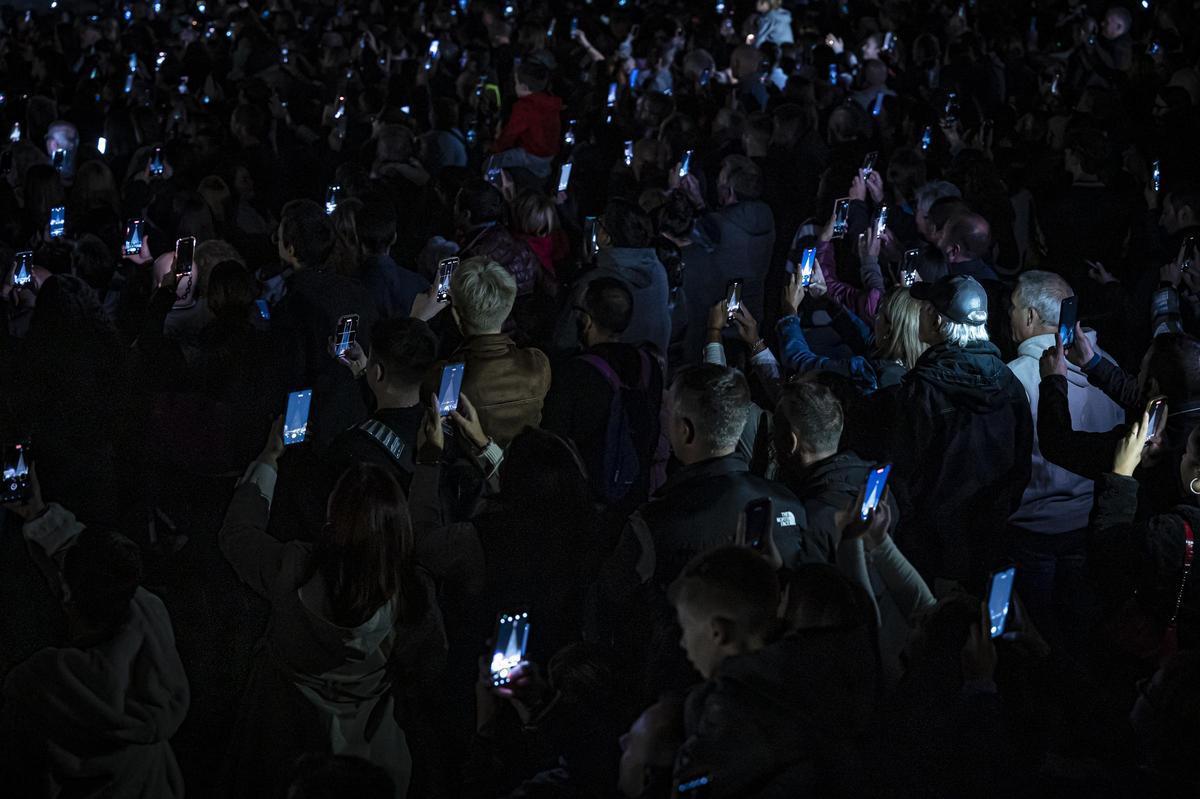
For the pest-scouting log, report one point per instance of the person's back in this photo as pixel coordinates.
(962, 438)
(353, 629)
(392, 286)
(482, 234)
(743, 229)
(609, 378)
(505, 383)
(316, 298)
(96, 715)
(534, 124)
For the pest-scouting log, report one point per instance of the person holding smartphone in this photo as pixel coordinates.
(394, 288)
(1048, 531)
(532, 136)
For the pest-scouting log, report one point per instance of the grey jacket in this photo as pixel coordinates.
(1057, 500)
(641, 271)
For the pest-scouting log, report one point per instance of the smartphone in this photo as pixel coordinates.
(705, 77)
(58, 221)
(339, 110)
(1156, 418)
(841, 217)
(1054, 84)
(564, 176)
(60, 159)
(183, 85)
(156, 162)
(23, 268)
(1156, 176)
(868, 164)
(1068, 315)
(889, 40)
(1187, 254)
(591, 237)
(512, 641)
(876, 483)
(808, 265)
(910, 267)
(494, 173)
(295, 418)
(633, 78)
(629, 153)
(332, 194)
(1155, 48)
(569, 135)
(128, 84)
(14, 135)
(733, 298)
(950, 110)
(685, 166)
(445, 271)
(452, 377)
(881, 221)
(17, 486)
(102, 145)
(345, 334)
(694, 788)
(926, 138)
(283, 55)
(185, 251)
(833, 74)
(612, 94)
(133, 237)
(1000, 589)
(434, 48)
(264, 310)
(758, 522)
(877, 108)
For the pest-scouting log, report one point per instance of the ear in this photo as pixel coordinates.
(689, 430)
(794, 441)
(722, 631)
(377, 372)
(1029, 314)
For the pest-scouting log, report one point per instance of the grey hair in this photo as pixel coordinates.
(717, 399)
(961, 334)
(1043, 292)
(933, 191)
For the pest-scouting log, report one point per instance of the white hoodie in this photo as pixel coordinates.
(1056, 500)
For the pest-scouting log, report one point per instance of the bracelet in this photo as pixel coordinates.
(759, 346)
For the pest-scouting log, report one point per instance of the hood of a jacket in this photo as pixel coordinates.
(752, 217)
(1036, 346)
(636, 266)
(971, 376)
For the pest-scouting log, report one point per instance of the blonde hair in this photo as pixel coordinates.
(903, 342)
(961, 334)
(534, 214)
(482, 293)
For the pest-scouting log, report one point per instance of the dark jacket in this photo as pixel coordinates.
(1143, 559)
(308, 315)
(579, 404)
(706, 275)
(826, 488)
(744, 234)
(961, 447)
(496, 243)
(393, 287)
(698, 508)
(640, 270)
(784, 716)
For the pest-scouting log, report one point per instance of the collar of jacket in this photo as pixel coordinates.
(485, 344)
(713, 467)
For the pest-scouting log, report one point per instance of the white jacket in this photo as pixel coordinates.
(1056, 500)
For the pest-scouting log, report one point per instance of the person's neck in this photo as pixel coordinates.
(480, 333)
(691, 458)
(1044, 330)
(596, 339)
(396, 398)
(806, 460)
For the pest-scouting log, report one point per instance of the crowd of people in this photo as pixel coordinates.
(600, 398)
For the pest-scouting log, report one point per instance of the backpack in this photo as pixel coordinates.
(626, 464)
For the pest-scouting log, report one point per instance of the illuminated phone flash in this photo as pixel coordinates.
(102, 145)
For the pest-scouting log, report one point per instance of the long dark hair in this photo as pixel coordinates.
(365, 552)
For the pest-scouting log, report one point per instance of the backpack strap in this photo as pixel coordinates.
(386, 438)
(604, 368)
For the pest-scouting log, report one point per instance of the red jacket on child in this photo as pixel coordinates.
(534, 126)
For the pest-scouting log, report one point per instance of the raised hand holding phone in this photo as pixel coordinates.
(793, 294)
(467, 419)
(1053, 360)
(1129, 450)
(273, 446)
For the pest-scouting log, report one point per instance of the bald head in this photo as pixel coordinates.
(966, 237)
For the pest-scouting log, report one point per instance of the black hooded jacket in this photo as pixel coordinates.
(961, 445)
